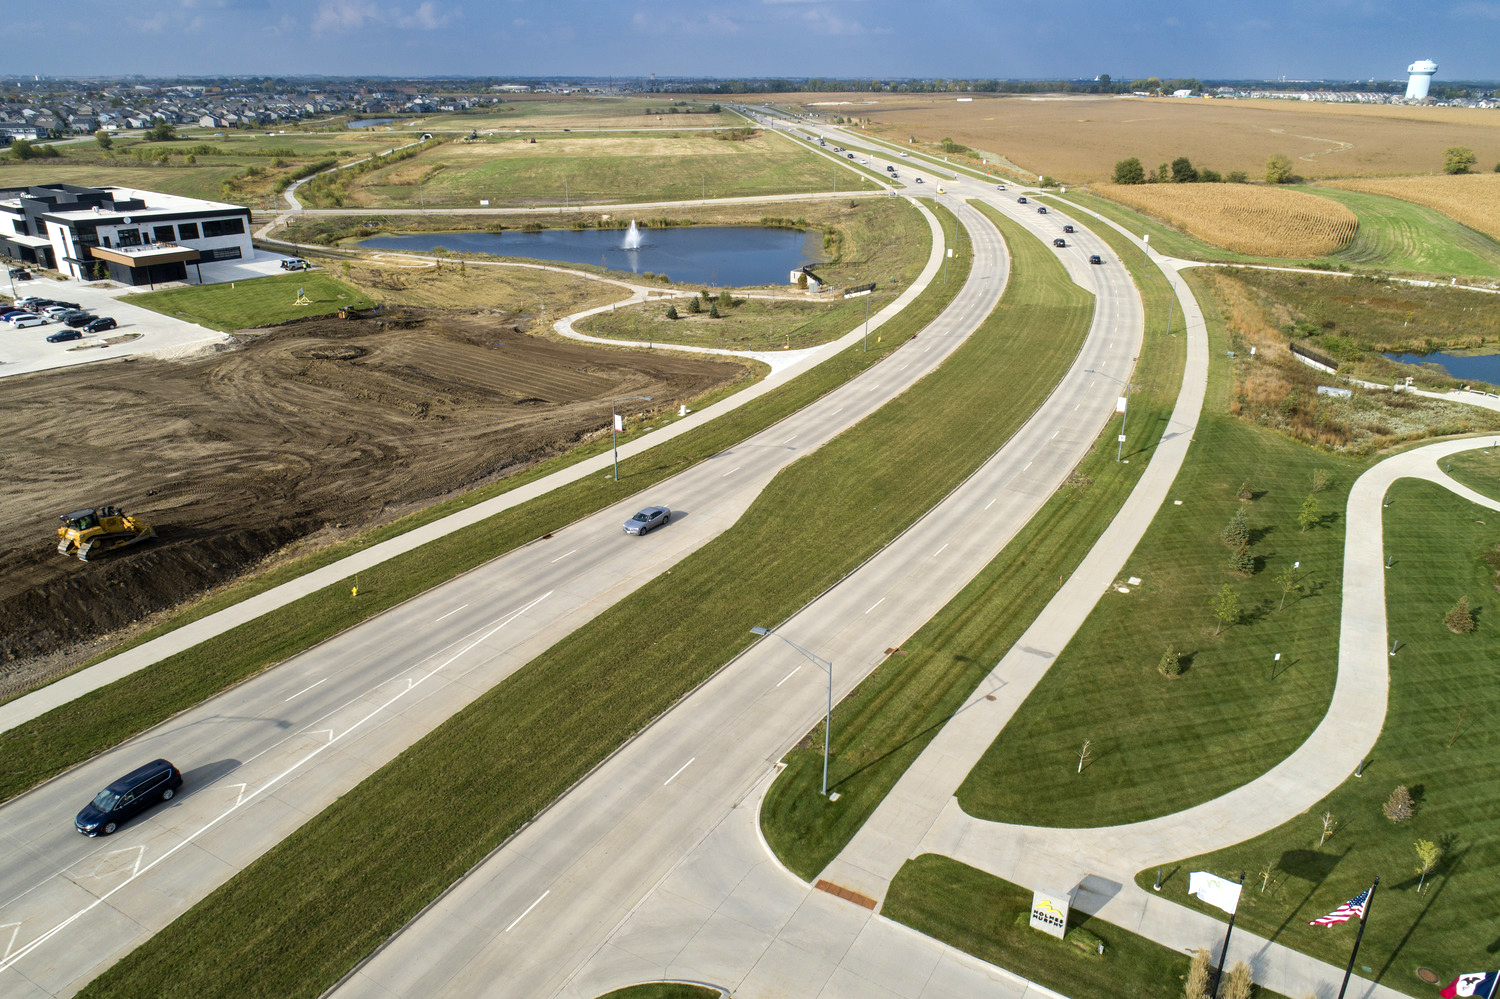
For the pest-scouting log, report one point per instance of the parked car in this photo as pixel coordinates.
(59, 311)
(1021, 200)
(128, 797)
(20, 274)
(33, 302)
(100, 325)
(22, 322)
(10, 314)
(78, 319)
(295, 264)
(1094, 258)
(648, 520)
(1067, 228)
(1059, 242)
(62, 335)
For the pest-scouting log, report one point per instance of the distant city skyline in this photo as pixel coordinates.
(877, 39)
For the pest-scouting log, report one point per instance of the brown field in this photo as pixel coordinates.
(1079, 138)
(312, 431)
(1266, 221)
(1473, 199)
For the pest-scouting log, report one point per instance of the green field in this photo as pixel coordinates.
(299, 916)
(546, 112)
(1439, 740)
(664, 990)
(1479, 470)
(258, 302)
(749, 324)
(890, 718)
(988, 917)
(1159, 744)
(595, 168)
(1394, 237)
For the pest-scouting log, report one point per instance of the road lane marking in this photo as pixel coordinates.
(939, 551)
(789, 676)
(452, 612)
(304, 690)
(679, 770)
(560, 557)
(836, 412)
(1028, 464)
(12, 941)
(533, 905)
(1054, 435)
(874, 387)
(991, 503)
(874, 605)
(790, 439)
(10, 960)
(731, 471)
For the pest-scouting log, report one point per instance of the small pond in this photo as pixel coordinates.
(372, 122)
(732, 256)
(1471, 367)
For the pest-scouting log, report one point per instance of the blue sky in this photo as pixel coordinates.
(1298, 39)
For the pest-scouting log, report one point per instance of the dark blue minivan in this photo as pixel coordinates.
(127, 797)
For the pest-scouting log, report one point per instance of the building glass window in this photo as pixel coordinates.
(128, 237)
(187, 230)
(163, 234)
(223, 227)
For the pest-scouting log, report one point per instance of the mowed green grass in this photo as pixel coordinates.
(751, 324)
(1159, 745)
(664, 990)
(601, 169)
(257, 302)
(298, 917)
(886, 723)
(1394, 237)
(1439, 739)
(1479, 469)
(988, 917)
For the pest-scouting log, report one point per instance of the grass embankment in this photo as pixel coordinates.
(1160, 744)
(748, 324)
(988, 917)
(1439, 740)
(664, 990)
(889, 719)
(301, 915)
(258, 302)
(1394, 237)
(47, 745)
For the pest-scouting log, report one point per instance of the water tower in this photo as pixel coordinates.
(1421, 78)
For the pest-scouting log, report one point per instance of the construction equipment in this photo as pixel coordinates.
(350, 312)
(91, 532)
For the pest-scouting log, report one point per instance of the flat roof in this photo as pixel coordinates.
(144, 256)
(24, 240)
(156, 204)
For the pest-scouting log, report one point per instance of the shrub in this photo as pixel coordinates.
(1197, 976)
(713, 311)
(1459, 620)
(693, 305)
(1241, 561)
(1237, 531)
(1183, 172)
(1240, 984)
(1399, 807)
(1279, 169)
(1209, 177)
(1171, 663)
(671, 312)
(1458, 159)
(1245, 493)
(1237, 177)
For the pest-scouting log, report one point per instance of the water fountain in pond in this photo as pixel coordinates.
(632, 238)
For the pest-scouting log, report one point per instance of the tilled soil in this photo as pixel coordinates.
(319, 427)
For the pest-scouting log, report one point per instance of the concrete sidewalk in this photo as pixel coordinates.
(44, 699)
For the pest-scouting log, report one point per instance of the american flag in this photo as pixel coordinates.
(1354, 907)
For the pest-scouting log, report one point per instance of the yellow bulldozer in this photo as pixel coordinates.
(85, 533)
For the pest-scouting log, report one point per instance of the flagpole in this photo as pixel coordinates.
(1213, 989)
(1358, 936)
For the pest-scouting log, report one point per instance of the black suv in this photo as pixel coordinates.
(79, 318)
(128, 797)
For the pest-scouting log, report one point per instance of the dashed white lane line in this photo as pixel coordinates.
(991, 503)
(1054, 435)
(874, 605)
(939, 551)
(452, 612)
(533, 905)
(731, 471)
(836, 412)
(679, 770)
(788, 676)
(874, 387)
(565, 555)
(1028, 464)
(790, 439)
(304, 690)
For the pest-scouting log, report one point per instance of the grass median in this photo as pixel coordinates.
(1438, 740)
(888, 721)
(305, 912)
(49, 744)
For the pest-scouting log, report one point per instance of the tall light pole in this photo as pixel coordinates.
(1120, 445)
(616, 425)
(827, 667)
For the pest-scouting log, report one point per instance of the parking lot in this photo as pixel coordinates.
(149, 333)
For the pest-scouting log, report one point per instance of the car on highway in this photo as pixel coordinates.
(903, 154)
(919, 180)
(1094, 258)
(999, 187)
(890, 169)
(62, 335)
(22, 322)
(941, 191)
(1021, 200)
(100, 325)
(648, 520)
(128, 797)
(850, 155)
(1059, 242)
(1067, 228)
(1041, 209)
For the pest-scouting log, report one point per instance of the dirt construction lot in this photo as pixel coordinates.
(317, 428)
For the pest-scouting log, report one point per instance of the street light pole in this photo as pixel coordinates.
(1119, 449)
(614, 427)
(827, 667)
(867, 323)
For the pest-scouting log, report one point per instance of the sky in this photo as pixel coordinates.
(964, 39)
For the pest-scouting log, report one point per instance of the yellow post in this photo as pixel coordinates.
(354, 592)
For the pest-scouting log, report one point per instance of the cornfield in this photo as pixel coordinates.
(1471, 199)
(1245, 218)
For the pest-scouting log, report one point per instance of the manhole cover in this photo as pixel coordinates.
(1428, 975)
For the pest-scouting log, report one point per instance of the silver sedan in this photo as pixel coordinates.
(648, 519)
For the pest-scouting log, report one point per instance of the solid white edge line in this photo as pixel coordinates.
(450, 613)
(679, 770)
(533, 905)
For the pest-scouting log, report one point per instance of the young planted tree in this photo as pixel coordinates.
(1226, 607)
(1237, 531)
(1429, 855)
(713, 310)
(1398, 808)
(693, 305)
(1245, 493)
(1287, 580)
(1307, 517)
(1241, 561)
(1319, 480)
(671, 312)
(1198, 975)
(1171, 663)
(1460, 620)
(1265, 875)
(1329, 825)
(725, 298)
(1084, 755)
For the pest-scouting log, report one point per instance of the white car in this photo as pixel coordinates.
(21, 322)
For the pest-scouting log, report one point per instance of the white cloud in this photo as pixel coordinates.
(354, 15)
